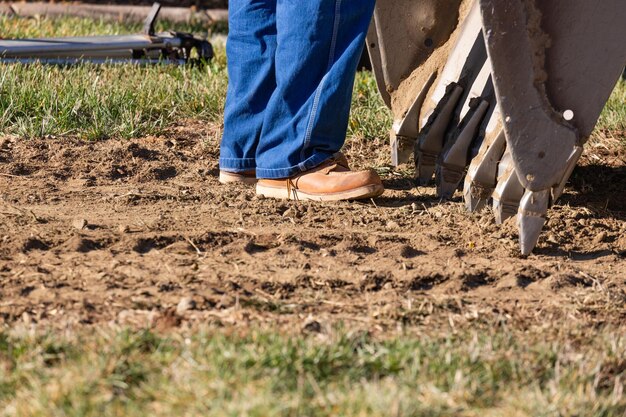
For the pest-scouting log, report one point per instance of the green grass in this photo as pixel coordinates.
(106, 102)
(95, 102)
(614, 116)
(370, 118)
(99, 102)
(268, 374)
(122, 102)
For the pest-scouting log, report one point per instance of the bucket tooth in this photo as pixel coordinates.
(431, 139)
(531, 218)
(402, 147)
(464, 64)
(404, 132)
(440, 115)
(508, 192)
(455, 157)
(571, 164)
(482, 175)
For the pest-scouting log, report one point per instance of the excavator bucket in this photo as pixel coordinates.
(497, 97)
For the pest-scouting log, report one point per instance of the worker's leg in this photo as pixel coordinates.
(319, 45)
(250, 51)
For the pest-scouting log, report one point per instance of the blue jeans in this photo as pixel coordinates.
(291, 67)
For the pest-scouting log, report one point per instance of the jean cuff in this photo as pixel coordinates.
(277, 173)
(237, 164)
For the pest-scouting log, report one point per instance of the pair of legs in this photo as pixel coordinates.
(291, 67)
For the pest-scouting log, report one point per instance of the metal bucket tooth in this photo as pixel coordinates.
(508, 192)
(571, 164)
(455, 157)
(534, 207)
(404, 133)
(531, 218)
(463, 77)
(460, 144)
(482, 174)
(431, 141)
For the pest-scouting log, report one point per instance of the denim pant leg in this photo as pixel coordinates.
(318, 48)
(250, 49)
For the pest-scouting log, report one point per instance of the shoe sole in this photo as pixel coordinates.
(227, 178)
(367, 191)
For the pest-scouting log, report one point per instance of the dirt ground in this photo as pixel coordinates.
(140, 233)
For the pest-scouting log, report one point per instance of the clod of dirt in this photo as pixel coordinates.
(80, 224)
(409, 252)
(472, 280)
(312, 326)
(257, 246)
(33, 243)
(393, 225)
(81, 245)
(427, 282)
(185, 305)
(375, 283)
(600, 237)
(564, 280)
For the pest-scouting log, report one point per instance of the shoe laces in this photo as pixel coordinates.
(292, 189)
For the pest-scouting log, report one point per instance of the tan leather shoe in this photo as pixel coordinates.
(331, 181)
(245, 177)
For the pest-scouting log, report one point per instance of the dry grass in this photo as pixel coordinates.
(496, 373)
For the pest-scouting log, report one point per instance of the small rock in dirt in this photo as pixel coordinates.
(81, 245)
(80, 224)
(290, 212)
(551, 238)
(392, 225)
(26, 318)
(122, 228)
(600, 237)
(185, 305)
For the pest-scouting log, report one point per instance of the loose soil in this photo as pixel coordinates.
(140, 233)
